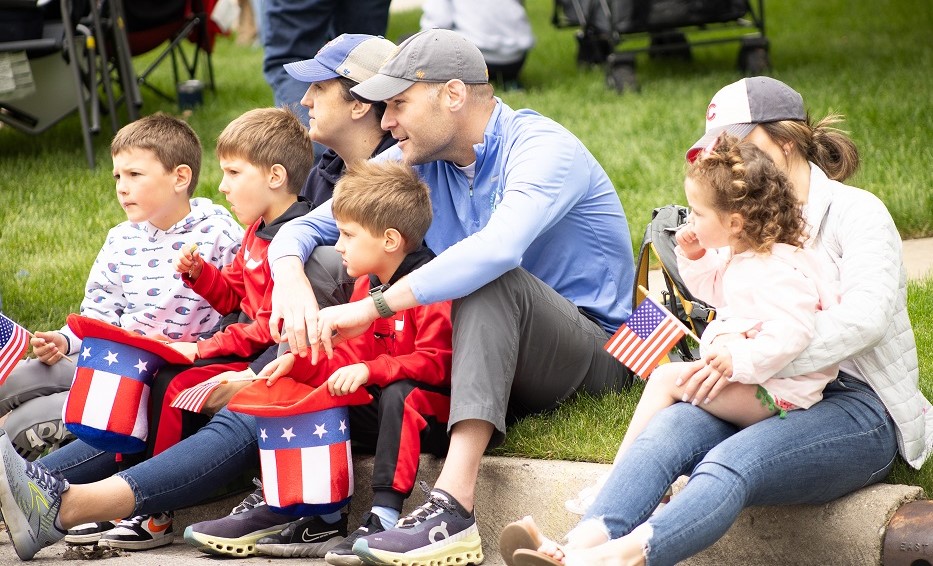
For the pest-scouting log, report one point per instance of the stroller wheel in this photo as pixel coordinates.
(620, 73)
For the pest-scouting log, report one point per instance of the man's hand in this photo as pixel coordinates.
(348, 379)
(689, 243)
(278, 367)
(49, 347)
(294, 308)
(186, 349)
(222, 394)
(189, 262)
(342, 322)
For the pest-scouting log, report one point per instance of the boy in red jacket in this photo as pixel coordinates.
(382, 211)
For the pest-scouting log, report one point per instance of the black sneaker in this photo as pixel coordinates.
(441, 531)
(140, 533)
(304, 538)
(236, 534)
(342, 554)
(88, 533)
(30, 497)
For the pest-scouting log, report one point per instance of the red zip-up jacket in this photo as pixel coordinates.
(413, 344)
(244, 284)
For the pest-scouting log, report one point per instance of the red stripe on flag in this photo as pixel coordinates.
(287, 466)
(126, 406)
(339, 471)
(77, 397)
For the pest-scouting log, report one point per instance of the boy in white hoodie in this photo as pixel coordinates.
(132, 284)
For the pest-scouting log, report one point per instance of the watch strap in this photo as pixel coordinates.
(382, 307)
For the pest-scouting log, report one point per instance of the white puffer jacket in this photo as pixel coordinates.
(853, 230)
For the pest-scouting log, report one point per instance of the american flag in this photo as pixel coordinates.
(646, 337)
(194, 398)
(14, 340)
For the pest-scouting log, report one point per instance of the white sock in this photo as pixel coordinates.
(388, 515)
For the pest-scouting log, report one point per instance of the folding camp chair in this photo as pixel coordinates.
(142, 26)
(63, 64)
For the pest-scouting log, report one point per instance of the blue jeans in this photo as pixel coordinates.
(293, 30)
(844, 442)
(181, 476)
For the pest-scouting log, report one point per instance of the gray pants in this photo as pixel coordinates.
(520, 348)
(34, 395)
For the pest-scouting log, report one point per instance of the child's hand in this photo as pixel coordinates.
(186, 349)
(49, 347)
(348, 379)
(278, 367)
(231, 383)
(720, 359)
(189, 262)
(689, 243)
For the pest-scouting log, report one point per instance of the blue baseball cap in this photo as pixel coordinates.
(352, 55)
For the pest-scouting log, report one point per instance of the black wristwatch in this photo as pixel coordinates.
(382, 307)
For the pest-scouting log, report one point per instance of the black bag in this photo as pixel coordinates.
(659, 239)
(20, 20)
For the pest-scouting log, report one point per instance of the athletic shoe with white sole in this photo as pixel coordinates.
(141, 532)
(236, 534)
(342, 554)
(88, 533)
(30, 497)
(441, 531)
(304, 538)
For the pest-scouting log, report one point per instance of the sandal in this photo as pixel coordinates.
(525, 557)
(518, 535)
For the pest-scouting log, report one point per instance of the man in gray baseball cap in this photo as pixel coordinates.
(430, 56)
(532, 247)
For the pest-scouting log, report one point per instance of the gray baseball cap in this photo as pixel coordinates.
(434, 56)
(739, 107)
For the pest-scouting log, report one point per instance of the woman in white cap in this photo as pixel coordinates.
(870, 414)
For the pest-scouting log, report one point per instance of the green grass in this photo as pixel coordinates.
(868, 60)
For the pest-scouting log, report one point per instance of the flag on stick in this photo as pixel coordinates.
(193, 398)
(646, 337)
(14, 341)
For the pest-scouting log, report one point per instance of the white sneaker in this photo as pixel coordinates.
(88, 533)
(140, 533)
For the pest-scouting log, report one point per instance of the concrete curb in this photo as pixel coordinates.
(849, 530)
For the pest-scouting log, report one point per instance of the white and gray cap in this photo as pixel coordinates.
(435, 55)
(739, 107)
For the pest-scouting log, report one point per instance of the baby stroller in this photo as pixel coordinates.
(605, 24)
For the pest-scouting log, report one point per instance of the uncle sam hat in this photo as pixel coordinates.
(108, 403)
(304, 444)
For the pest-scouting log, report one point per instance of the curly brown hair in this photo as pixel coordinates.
(742, 179)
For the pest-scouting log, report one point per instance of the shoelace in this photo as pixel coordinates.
(252, 500)
(53, 482)
(132, 521)
(431, 507)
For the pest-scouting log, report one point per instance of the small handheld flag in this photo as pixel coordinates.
(14, 341)
(193, 398)
(646, 337)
